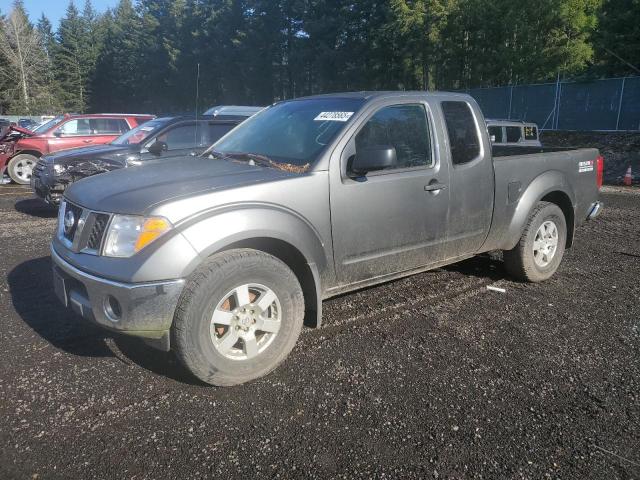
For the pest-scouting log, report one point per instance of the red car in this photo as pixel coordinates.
(20, 148)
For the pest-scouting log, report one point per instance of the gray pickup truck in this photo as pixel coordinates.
(224, 257)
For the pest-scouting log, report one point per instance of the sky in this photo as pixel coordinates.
(54, 9)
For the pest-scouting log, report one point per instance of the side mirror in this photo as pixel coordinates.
(157, 147)
(57, 133)
(377, 157)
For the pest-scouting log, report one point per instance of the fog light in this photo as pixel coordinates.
(112, 308)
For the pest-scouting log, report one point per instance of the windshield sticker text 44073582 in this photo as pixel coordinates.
(333, 116)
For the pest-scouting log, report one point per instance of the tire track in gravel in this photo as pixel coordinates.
(393, 301)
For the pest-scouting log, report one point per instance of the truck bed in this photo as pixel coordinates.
(517, 177)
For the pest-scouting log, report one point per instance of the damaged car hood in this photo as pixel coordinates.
(14, 133)
(78, 163)
(135, 190)
(100, 152)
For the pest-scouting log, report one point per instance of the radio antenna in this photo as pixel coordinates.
(197, 143)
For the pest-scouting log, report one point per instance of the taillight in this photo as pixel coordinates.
(599, 170)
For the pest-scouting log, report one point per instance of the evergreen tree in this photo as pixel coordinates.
(618, 38)
(4, 64)
(45, 30)
(145, 55)
(25, 61)
(118, 78)
(75, 56)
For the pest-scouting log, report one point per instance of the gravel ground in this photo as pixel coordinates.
(431, 376)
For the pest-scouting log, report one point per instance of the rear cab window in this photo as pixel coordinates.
(530, 132)
(464, 140)
(496, 134)
(514, 134)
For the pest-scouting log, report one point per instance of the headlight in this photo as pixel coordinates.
(129, 234)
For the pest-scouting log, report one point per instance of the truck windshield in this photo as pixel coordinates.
(294, 132)
(141, 132)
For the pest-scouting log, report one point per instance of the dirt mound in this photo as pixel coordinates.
(620, 150)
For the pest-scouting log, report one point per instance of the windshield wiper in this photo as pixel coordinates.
(215, 154)
(261, 160)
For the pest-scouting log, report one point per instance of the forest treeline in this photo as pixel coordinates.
(144, 55)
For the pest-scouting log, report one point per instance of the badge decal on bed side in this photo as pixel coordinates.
(586, 166)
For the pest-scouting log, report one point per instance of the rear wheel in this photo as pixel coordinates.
(20, 168)
(539, 252)
(238, 318)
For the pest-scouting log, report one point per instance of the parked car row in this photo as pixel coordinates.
(21, 148)
(23, 122)
(157, 140)
(77, 136)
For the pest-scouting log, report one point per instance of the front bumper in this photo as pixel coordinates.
(140, 309)
(44, 185)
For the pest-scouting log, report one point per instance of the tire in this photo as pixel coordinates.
(20, 168)
(527, 260)
(206, 348)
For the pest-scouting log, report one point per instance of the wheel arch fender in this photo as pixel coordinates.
(272, 229)
(551, 186)
(35, 153)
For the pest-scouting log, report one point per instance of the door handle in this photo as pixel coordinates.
(88, 141)
(434, 187)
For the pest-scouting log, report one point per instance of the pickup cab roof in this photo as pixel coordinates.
(373, 94)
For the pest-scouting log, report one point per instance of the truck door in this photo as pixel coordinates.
(471, 178)
(394, 219)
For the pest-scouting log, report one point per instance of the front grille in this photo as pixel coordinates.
(69, 233)
(97, 231)
(87, 231)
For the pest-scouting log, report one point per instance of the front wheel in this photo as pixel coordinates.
(20, 168)
(539, 252)
(238, 318)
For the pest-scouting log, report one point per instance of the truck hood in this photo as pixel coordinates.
(135, 190)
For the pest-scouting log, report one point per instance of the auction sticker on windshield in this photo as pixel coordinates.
(333, 116)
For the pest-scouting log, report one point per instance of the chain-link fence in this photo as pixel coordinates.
(603, 105)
